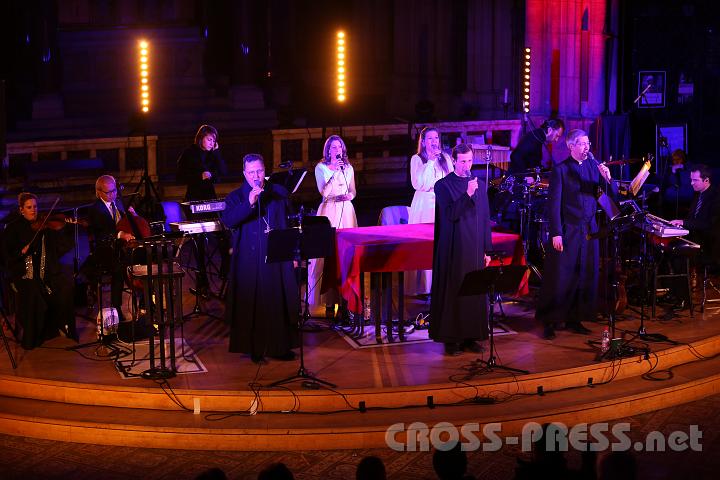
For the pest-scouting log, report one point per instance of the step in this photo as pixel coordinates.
(294, 428)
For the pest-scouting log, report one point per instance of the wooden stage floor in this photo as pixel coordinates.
(332, 358)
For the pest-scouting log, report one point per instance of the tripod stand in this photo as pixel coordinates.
(526, 218)
(298, 244)
(615, 226)
(149, 203)
(493, 281)
(203, 260)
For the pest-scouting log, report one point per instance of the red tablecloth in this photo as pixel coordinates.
(395, 248)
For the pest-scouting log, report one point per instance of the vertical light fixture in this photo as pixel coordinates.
(526, 81)
(341, 70)
(144, 63)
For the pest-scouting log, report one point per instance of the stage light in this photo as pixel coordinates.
(341, 52)
(144, 69)
(526, 81)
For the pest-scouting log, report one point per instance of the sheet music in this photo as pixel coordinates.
(640, 178)
(297, 185)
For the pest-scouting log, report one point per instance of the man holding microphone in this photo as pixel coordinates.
(568, 294)
(462, 236)
(262, 303)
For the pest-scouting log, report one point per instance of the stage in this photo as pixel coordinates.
(63, 395)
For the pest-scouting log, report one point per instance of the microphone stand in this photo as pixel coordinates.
(642, 94)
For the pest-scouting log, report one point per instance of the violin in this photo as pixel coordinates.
(55, 221)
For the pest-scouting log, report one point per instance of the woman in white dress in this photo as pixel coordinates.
(427, 166)
(335, 179)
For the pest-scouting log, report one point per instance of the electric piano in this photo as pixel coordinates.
(667, 236)
(192, 227)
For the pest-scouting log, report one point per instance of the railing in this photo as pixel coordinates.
(63, 150)
(304, 145)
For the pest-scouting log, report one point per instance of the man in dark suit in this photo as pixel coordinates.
(528, 153)
(703, 222)
(104, 235)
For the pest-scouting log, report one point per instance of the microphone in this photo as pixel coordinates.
(643, 93)
(257, 183)
(338, 157)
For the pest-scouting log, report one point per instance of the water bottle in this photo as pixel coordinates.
(605, 344)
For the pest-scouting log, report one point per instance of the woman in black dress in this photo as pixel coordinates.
(43, 292)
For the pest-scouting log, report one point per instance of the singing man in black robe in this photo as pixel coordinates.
(462, 236)
(568, 294)
(262, 301)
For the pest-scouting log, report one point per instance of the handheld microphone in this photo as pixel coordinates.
(257, 183)
(338, 157)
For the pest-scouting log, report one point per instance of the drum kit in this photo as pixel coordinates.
(519, 201)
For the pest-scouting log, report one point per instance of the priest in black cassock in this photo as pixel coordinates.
(262, 301)
(568, 294)
(462, 236)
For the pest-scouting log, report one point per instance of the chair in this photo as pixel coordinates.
(394, 215)
(173, 213)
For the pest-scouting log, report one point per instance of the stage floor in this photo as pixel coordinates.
(331, 357)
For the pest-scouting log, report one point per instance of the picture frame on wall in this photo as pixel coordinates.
(668, 138)
(651, 88)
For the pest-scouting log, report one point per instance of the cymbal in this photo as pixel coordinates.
(529, 173)
(625, 161)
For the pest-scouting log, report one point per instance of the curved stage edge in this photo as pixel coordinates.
(60, 395)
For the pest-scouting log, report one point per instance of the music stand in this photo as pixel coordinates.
(298, 244)
(290, 179)
(493, 281)
(2, 329)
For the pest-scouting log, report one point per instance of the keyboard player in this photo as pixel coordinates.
(703, 222)
(198, 168)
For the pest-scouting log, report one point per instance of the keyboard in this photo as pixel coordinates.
(206, 206)
(661, 227)
(192, 227)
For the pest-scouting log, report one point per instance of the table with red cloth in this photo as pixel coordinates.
(396, 248)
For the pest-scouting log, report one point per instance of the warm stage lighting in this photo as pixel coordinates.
(144, 67)
(340, 52)
(526, 81)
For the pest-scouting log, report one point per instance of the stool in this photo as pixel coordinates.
(675, 249)
(705, 283)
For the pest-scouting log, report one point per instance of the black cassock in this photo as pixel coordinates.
(568, 293)
(44, 303)
(462, 236)
(262, 301)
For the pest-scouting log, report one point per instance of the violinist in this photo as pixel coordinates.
(103, 219)
(43, 291)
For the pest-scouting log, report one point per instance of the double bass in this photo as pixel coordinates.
(140, 228)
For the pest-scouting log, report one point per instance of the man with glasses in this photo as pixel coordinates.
(103, 234)
(568, 294)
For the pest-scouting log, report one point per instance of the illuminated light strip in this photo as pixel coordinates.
(144, 69)
(526, 80)
(341, 66)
